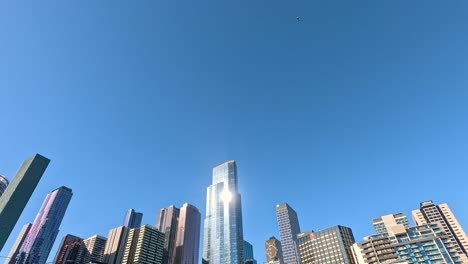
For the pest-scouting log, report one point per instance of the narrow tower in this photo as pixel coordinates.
(288, 224)
(17, 195)
(132, 219)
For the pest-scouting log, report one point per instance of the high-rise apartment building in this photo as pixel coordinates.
(69, 250)
(430, 243)
(288, 224)
(374, 250)
(383, 224)
(3, 184)
(429, 213)
(17, 245)
(273, 250)
(166, 222)
(415, 245)
(145, 245)
(93, 250)
(222, 234)
(327, 246)
(43, 232)
(187, 244)
(17, 195)
(115, 245)
(132, 219)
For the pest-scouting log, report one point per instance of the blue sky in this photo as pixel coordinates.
(355, 112)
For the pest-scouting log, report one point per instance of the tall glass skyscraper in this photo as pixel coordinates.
(222, 234)
(3, 184)
(15, 197)
(43, 232)
(132, 219)
(288, 224)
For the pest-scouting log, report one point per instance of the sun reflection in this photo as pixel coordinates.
(226, 195)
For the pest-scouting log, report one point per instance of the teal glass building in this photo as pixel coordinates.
(222, 234)
(425, 244)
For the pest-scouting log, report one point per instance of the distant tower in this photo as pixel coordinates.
(248, 254)
(222, 235)
(17, 195)
(386, 223)
(68, 250)
(43, 232)
(429, 213)
(288, 224)
(145, 244)
(19, 241)
(132, 219)
(3, 184)
(115, 245)
(187, 244)
(273, 250)
(166, 222)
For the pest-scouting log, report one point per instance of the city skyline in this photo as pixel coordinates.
(135, 102)
(387, 223)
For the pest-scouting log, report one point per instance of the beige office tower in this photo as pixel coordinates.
(115, 245)
(429, 213)
(93, 250)
(145, 245)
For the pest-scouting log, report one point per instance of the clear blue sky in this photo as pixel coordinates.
(359, 110)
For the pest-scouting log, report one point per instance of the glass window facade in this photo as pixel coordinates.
(43, 232)
(425, 244)
(289, 228)
(3, 184)
(222, 234)
(328, 246)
